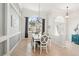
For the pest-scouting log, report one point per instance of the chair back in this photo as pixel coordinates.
(44, 39)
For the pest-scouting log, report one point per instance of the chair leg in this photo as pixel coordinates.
(46, 50)
(50, 43)
(40, 50)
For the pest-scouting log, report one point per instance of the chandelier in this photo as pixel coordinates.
(67, 13)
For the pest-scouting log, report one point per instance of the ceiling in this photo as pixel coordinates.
(49, 6)
(47, 9)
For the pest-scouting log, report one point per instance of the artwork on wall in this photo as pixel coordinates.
(14, 21)
(11, 20)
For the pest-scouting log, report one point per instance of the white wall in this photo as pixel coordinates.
(51, 27)
(15, 22)
(14, 31)
(23, 27)
(28, 13)
(1, 19)
(12, 34)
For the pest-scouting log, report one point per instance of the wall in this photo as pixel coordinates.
(51, 27)
(13, 26)
(23, 27)
(3, 47)
(14, 40)
(3, 40)
(14, 23)
(11, 31)
(1, 20)
(28, 13)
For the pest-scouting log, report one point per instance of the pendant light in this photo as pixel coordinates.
(67, 13)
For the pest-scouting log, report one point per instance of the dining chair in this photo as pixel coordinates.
(43, 43)
(36, 40)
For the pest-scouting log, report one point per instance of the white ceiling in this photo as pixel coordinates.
(50, 6)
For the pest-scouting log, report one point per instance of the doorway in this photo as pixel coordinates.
(34, 24)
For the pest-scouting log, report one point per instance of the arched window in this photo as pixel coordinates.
(59, 25)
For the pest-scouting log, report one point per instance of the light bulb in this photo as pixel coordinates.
(66, 16)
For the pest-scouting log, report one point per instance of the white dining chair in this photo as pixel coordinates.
(36, 39)
(43, 43)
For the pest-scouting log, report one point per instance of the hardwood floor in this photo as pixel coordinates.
(24, 49)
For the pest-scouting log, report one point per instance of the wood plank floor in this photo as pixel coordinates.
(24, 49)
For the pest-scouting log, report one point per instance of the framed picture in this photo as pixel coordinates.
(12, 21)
